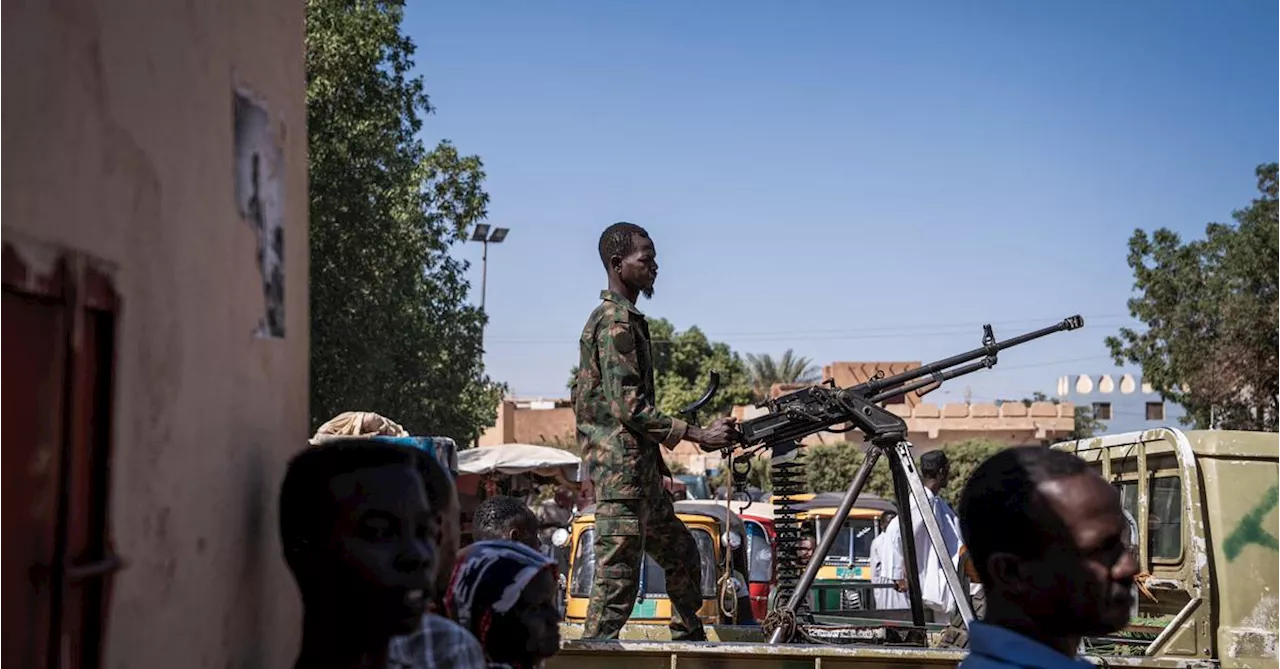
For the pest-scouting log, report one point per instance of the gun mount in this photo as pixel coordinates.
(825, 408)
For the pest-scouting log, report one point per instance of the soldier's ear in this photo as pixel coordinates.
(615, 263)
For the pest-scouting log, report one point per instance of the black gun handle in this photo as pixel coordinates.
(692, 410)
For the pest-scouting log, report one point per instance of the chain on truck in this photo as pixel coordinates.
(1191, 613)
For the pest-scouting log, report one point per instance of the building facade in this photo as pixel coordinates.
(155, 330)
(1121, 403)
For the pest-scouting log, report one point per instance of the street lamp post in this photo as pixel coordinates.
(482, 235)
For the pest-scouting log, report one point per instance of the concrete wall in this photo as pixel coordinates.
(1127, 396)
(544, 423)
(118, 143)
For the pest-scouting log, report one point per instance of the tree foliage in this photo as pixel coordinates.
(831, 467)
(391, 330)
(1211, 309)
(682, 365)
(790, 368)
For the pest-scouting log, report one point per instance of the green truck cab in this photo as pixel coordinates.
(1205, 503)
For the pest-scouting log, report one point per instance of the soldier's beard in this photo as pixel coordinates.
(647, 292)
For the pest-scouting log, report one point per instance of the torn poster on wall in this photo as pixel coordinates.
(260, 202)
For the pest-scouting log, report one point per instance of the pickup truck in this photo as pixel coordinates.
(1205, 502)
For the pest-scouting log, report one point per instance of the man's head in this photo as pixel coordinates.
(1047, 537)
(565, 497)
(885, 519)
(935, 470)
(804, 549)
(629, 257)
(503, 518)
(359, 527)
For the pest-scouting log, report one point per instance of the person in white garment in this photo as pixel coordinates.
(881, 558)
(935, 474)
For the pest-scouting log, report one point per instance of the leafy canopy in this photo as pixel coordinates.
(830, 467)
(682, 365)
(391, 330)
(1211, 309)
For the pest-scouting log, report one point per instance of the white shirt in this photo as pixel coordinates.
(933, 584)
(885, 598)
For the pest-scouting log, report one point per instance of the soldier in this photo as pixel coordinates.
(621, 430)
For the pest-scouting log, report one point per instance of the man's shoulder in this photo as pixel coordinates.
(606, 313)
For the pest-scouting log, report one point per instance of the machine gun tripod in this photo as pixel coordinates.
(823, 408)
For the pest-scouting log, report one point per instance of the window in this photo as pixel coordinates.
(759, 554)
(1164, 515)
(1155, 410)
(1165, 518)
(584, 567)
(852, 544)
(1102, 411)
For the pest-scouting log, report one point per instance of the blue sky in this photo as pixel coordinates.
(852, 180)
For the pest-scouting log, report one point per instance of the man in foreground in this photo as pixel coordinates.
(621, 432)
(359, 525)
(1048, 539)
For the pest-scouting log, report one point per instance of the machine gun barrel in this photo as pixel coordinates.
(811, 410)
(936, 370)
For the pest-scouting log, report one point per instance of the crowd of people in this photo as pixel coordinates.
(369, 525)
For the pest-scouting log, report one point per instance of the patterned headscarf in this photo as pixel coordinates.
(488, 580)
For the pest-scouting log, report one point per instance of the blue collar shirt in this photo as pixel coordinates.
(993, 647)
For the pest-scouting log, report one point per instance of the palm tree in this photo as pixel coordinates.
(790, 368)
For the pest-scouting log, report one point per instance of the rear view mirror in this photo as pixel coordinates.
(560, 538)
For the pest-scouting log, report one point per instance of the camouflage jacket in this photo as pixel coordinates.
(619, 425)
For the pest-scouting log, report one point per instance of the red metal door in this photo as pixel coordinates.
(32, 456)
(59, 341)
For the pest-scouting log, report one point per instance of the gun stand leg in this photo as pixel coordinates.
(801, 593)
(910, 554)
(906, 480)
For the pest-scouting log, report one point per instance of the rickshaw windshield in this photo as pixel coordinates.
(584, 567)
(853, 543)
(759, 554)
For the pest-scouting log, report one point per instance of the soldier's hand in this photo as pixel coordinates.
(720, 433)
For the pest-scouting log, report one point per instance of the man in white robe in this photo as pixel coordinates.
(881, 558)
(935, 473)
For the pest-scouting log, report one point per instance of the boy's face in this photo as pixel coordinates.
(525, 531)
(384, 546)
(639, 269)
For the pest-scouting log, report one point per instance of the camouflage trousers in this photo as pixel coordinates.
(625, 530)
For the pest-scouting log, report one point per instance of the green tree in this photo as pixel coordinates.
(682, 365)
(1210, 308)
(790, 368)
(391, 330)
(831, 467)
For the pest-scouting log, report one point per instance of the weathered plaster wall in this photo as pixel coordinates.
(118, 142)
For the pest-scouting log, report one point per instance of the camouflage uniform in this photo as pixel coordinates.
(620, 429)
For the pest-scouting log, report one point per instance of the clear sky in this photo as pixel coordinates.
(852, 180)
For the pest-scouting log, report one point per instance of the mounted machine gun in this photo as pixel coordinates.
(827, 408)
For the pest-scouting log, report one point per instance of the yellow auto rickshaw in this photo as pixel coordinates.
(706, 520)
(849, 561)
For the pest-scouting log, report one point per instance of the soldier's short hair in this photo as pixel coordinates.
(1001, 510)
(498, 515)
(932, 464)
(307, 507)
(618, 240)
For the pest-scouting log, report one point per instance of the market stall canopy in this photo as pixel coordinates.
(515, 459)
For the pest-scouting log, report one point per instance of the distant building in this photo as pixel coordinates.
(1121, 403)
